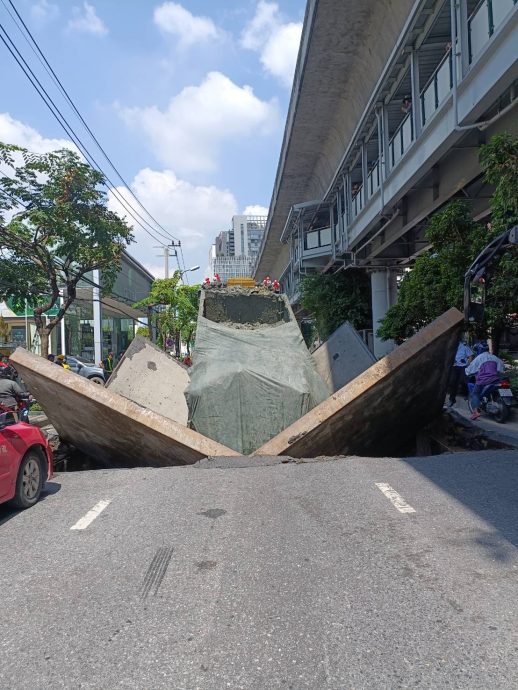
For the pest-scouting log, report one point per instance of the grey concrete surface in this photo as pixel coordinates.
(344, 48)
(106, 426)
(383, 408)
(252, 373)
(297, 575)
(153, 379)
(504, 433)
(343, 357)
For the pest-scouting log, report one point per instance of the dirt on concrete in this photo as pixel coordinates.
(245, 308)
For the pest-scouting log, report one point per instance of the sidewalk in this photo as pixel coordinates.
(506, 433)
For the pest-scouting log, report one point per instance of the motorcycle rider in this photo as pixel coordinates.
(11, 393)
(487, 369)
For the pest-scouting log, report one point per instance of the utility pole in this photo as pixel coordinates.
(167, 253)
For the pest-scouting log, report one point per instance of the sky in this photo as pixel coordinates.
(189, 100)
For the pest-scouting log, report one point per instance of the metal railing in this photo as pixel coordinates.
(358, 201)
(401, 140)
(373, 178)
(437, 88)
(487, 17)
(317, 238)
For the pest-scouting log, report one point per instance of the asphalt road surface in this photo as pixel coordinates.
(346, 573)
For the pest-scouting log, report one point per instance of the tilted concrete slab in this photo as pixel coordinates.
(383, 407)
(343, 357)
(107, 426)
(252, 374)
(153, 379)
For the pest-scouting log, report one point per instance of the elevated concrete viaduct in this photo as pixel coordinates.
(390, 104)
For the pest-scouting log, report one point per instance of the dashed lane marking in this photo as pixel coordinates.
(87, 519)
(397, 501)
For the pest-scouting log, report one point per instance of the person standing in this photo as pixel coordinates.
(108, 365)
(458, 371)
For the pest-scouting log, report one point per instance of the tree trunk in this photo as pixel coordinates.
(44, 334)
(496, 337)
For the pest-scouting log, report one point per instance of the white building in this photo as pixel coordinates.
(235, 251)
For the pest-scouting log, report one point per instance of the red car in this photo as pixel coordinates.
(25, 462)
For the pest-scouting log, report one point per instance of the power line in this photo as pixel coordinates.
(43, 60)
(64, 124)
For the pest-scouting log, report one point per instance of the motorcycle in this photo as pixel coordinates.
(496, 399)
(22, 409)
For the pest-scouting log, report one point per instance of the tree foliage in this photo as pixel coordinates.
(176, 310)
(437, 279)
(55, 228)
(333, 299)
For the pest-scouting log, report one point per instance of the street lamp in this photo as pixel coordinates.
(193, 268)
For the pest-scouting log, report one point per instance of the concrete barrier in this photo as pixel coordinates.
(383, 407)
(343, 357)
(153, 379)
(106, 425)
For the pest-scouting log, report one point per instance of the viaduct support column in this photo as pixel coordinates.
(384, 294)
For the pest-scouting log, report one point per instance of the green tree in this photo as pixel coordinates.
(59, 230)
(333, 299)
(499, 159)
(177, 310)
(436, 282)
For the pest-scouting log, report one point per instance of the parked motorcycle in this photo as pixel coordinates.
(496, 399)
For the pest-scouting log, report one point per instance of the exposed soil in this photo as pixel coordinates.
(248, 308)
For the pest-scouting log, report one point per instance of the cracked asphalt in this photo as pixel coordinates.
(342, 573)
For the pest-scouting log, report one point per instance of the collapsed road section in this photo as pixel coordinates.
(383, 407)
(242, 393)
(107, 426)
(252, 375)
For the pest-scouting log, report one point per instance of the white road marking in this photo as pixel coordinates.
(397, 501)
(87, 519)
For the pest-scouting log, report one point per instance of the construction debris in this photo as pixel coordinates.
(105, 425)
(252, 374)
(342, 357)
(385, 406)
(153, 379)
(254, 388)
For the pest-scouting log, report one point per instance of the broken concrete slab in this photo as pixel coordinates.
(343, 357)
(106, 425)
(153, 379)
(383, 407)
(252, 374)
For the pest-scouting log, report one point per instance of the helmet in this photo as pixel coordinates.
(7, 372)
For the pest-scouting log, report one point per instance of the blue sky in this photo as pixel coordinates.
(188, 98)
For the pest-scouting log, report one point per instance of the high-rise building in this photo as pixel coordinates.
(247, 234)
(234, 252)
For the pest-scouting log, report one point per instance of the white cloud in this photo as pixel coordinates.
(174, 19)
(87, 21)
(276, 41)
(193, 214)
(255, 210)
(44, 11)
(188, 135)
(15, 132)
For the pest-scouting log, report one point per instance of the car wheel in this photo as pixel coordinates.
(97, 379)
(29, 482)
